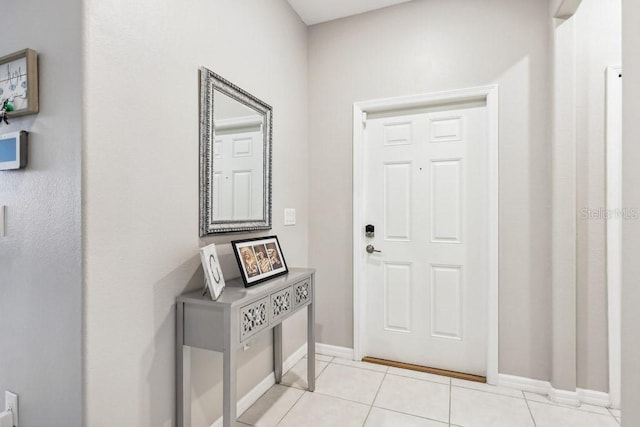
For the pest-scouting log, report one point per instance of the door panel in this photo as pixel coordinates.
(397, 201)
(397, 134)
(242, 194)
(446, 129)
(446, 201)
(397, 297)
(426, 190)
(446, 301)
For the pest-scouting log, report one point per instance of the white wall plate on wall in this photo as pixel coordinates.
(13, 150)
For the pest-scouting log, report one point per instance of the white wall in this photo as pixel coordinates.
(141, 188)
(40, 258)
(598, 39)
(563, 237)
(584, 45)
(427, 46)
(630, 199)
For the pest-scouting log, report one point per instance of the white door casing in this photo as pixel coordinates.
(614, 226)
(460, 282)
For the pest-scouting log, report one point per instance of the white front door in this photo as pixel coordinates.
(426, 194)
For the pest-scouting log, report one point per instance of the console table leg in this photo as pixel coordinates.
(311, 347)
(277, 352)
(229, 403)
(229, 389)
(183, 372)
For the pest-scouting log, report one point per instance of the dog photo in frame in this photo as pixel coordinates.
(259, 259)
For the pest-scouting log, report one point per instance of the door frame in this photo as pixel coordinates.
(614, 232)
(488, 94)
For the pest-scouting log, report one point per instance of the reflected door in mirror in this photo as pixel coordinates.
(237, 173)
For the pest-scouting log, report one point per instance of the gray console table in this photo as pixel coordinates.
(225, 325)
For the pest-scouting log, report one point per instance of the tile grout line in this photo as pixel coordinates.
(292, 406)
(413, 415)
(303, 392)
(339, 398)
(613, 415)
(488, 391)
(375, 397)
(421, 379)
(573, 408)
(336, 397)
(322, 370)
(399, 375)
(359, 367)
(529, 408)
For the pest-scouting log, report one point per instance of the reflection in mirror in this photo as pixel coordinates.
(235, 158)
(237, 161)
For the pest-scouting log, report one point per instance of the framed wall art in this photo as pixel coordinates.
(19, 83)
(259, 259)
(212, 271)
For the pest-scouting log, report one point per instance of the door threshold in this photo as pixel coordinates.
(436, 371)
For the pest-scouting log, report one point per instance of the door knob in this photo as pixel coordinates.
(371, 249)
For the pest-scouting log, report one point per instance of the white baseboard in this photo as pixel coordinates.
(564, 397)
(524, 384)
(334, 351)
(293, 359)
(592, 397)
(264, 385)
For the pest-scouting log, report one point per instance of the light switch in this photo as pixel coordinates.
(289, 216)
(2, 215)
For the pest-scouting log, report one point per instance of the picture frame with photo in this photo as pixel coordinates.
(259, 259)
(212, 271)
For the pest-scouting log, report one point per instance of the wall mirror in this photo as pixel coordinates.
(235, 158)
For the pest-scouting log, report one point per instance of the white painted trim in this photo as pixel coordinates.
(264, 385)
(359, 124)
(614, 228)
(592, 397)
(239, 122)
(335, 351)
(580, 396)
(291, 361)
(564, 397)
(493, 308)
(524, 384)
(490, 94)
(567, 9)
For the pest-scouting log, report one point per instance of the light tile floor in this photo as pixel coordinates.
(361, 394)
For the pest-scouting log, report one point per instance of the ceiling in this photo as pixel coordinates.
(317, 11)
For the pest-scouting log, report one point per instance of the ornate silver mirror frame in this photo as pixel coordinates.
(214, 90)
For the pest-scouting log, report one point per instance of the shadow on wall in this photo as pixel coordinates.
(525, 206)
(160, 352)
(206, 379)
(206, 366)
